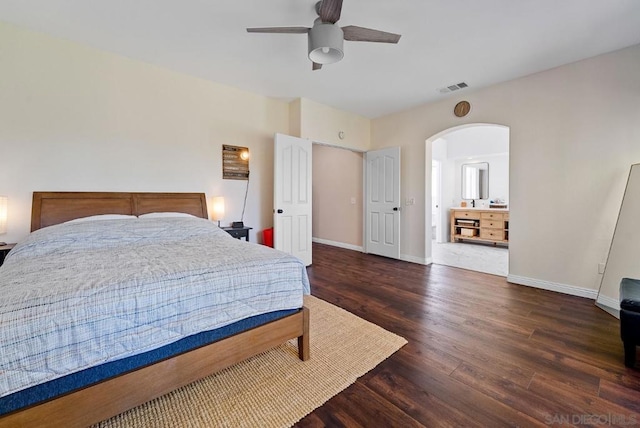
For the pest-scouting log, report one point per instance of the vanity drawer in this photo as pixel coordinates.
(492, 234)
(492, 224)
(467, 214)
(492, 216)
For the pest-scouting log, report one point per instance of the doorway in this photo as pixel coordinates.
(338, 218)
(449, 150)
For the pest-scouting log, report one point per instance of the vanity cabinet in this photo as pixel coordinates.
(480, 224)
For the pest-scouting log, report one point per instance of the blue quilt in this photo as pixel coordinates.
(77, 295)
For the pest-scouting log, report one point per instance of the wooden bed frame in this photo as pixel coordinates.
(108, 398)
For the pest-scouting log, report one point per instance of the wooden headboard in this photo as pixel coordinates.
(51, 208)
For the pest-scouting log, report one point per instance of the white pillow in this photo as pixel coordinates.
(165, 215)
(102, 217)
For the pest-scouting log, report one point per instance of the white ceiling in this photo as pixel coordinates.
(480, 42)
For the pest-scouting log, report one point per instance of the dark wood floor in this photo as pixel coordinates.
(481, 352)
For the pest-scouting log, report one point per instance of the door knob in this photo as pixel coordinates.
(279, 211)
(396, 208)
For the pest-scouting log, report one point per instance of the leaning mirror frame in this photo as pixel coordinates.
(625, 244)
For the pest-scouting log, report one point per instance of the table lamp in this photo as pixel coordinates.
(3, 216)
(218, 209)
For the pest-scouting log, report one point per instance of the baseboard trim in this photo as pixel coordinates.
(553, 286)
(413, 259)
(338, 244)
(608, 302)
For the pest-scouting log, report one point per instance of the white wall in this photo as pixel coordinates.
(480, 143)
(574, 132)
(498, 178)
(78, 119)
(479, 140)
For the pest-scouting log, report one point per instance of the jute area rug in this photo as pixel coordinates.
(275, 388)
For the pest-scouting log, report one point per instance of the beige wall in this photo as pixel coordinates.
(295, 117)
(337, 178)
(337, 168)
(322, 124)
(575, 130)
(75, 118)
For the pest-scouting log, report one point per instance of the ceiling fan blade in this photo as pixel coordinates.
(315, 66)
(330, 10)
(283, 30)
(360, 34)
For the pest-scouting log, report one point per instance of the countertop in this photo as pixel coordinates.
(500, 210)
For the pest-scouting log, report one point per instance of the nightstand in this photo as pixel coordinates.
(4, 250)
(238, 232)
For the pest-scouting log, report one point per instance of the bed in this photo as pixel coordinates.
(226, 300)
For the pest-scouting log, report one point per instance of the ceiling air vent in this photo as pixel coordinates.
(452, 88)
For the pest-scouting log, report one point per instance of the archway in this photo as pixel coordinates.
(447, 151)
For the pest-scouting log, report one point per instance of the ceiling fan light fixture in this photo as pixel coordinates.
(326, 38)
(326, 43)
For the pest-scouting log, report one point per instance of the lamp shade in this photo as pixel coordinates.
(218, 208)
(3, 214)
(325, 43)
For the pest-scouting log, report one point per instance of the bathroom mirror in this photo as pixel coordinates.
(475, 180)
(625, 246)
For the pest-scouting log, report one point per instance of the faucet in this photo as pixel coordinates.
(473, 203)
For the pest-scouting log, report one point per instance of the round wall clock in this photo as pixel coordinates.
(462, 108)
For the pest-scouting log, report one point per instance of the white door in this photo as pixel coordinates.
(382, 202)
(292, 196)
(436, 222)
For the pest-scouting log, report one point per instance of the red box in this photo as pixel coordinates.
(267, 237)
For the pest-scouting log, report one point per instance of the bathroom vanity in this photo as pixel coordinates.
(480, 224)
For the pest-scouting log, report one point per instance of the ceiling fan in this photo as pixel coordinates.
(326, 38)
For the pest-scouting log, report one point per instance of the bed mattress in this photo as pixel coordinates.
(78, 295)
(77, 380)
